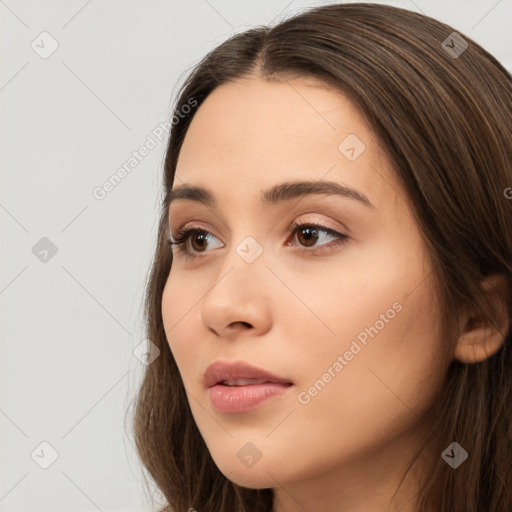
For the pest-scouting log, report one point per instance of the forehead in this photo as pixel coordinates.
(255, 112)
(253, 133)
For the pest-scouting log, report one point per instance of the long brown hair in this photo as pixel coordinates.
(442, 112)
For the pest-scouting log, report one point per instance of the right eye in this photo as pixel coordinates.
(184, 234)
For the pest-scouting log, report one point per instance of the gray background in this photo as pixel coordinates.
(71, 319)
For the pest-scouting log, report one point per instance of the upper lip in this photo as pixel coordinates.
(220, 370)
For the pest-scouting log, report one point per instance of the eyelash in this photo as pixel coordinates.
(183, 235)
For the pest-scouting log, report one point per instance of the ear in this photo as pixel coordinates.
(481, 336)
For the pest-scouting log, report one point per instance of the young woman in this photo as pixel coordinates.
(331, 289)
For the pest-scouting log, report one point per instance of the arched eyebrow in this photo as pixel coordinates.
(274, 195)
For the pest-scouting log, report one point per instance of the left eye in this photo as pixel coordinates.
(310, 235)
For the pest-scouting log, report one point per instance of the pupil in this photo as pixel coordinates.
(312, 235)
(201, 236)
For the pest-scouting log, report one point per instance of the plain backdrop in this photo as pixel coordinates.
(82, 86)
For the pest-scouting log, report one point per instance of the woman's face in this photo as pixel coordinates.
(349, 321)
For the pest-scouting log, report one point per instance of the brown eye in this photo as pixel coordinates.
(307, 236)
(199, 241)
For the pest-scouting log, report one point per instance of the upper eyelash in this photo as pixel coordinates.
(184, 234)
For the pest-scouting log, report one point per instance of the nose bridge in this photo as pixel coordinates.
(239, 293)
(243, 265)
(247, 243)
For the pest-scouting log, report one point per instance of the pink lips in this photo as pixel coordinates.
(240, 387)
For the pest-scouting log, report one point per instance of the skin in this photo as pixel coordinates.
(293, 313)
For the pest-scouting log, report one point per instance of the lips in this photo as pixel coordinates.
(239, 374)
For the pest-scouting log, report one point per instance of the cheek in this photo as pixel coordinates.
(379, 316)
(170, 308)
(179, 318)
(379, 394)
(344, 298)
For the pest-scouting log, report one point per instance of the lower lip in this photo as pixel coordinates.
(244, 398)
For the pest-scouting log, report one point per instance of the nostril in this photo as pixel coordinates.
(245, 324)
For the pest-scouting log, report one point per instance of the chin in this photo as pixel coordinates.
(249, 478)
(257, 476)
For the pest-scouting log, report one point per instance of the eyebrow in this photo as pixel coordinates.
(274, 195)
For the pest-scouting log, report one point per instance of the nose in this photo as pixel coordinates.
(239, 298)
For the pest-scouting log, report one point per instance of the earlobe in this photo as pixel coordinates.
(482, 335)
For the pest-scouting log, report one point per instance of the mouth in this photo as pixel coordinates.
(237, 398)
(247, 382)
(240, 387)
(240, 374)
